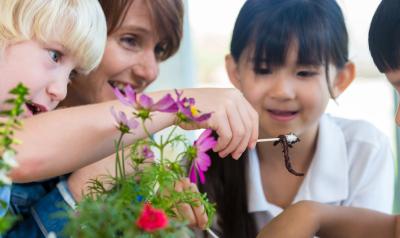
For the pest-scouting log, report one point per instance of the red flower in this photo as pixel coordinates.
(152, 219)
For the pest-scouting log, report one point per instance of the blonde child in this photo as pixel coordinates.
(289, 57)
(43, 43)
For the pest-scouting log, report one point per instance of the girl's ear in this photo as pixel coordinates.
(233, 71)
(343, 79)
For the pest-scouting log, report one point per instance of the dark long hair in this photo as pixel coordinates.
(226, 187)
(268, 28)
(384, 36)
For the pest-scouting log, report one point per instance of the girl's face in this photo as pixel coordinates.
(290, 98)
(43, 68)
(130, 57)
(394, 79)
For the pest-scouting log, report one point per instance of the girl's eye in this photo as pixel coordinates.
(306, 74)
(55, 55)
(263, 71)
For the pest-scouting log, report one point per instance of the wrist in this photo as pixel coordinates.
(74, 187)
(314, 216)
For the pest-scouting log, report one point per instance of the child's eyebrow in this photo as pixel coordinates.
(58, 46)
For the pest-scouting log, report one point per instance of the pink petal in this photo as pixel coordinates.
(203, 117)
(121, 97)
(192, 174)
(203, 161)
(132, 123)
(204, 135)
(202, 178)
(130, 94)
(166, 104)
(114, 114)
(206, 144)
(145, 101)
(191, 101)
(123, 118)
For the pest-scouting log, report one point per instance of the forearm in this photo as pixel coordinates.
(355, 222)
(307, 219)
(62, 141)
(300, 220)
(79, 181)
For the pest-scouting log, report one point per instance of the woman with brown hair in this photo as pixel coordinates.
(141, 34)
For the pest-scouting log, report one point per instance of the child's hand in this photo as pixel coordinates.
(233, 118)
(297, 221)
(194, 214)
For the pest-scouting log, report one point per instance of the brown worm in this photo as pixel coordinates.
(285, 150)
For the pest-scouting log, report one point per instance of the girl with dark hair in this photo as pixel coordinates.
(306, 219)
(288, 58)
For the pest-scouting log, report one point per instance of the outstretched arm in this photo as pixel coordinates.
(306, 219)
(62, 141)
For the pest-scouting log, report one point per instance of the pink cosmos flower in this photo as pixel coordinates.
(145, 104)
(197, 153)
(124, 124)
(147, 153)
(188, 110)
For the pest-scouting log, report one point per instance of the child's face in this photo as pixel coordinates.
(288, 99)
(43, 68)
(394, 79)
(129, 58)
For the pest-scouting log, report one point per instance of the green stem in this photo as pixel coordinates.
(170, 134)
(123, 161)
(147, 132)
(118, 169)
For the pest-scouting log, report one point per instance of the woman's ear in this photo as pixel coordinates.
(233, 71)
(343, 79)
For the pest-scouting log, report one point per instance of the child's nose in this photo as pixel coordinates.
(282, 88)
(58, 90)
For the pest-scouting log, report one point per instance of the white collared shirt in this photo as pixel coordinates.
(353, 166)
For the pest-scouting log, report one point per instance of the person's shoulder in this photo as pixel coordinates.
(359, 130)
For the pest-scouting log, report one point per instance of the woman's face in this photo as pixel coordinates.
(130, 58)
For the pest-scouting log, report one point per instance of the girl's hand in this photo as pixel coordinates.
(194, 214)
(300, 220)
(233, 118)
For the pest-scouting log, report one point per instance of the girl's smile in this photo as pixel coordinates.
(282, 115)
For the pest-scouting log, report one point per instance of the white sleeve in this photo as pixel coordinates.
(372, 176)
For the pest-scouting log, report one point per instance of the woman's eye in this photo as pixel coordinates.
(160, 51)
(129, 41)
(55, 55)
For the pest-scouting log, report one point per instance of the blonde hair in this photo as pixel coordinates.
(78, 25)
